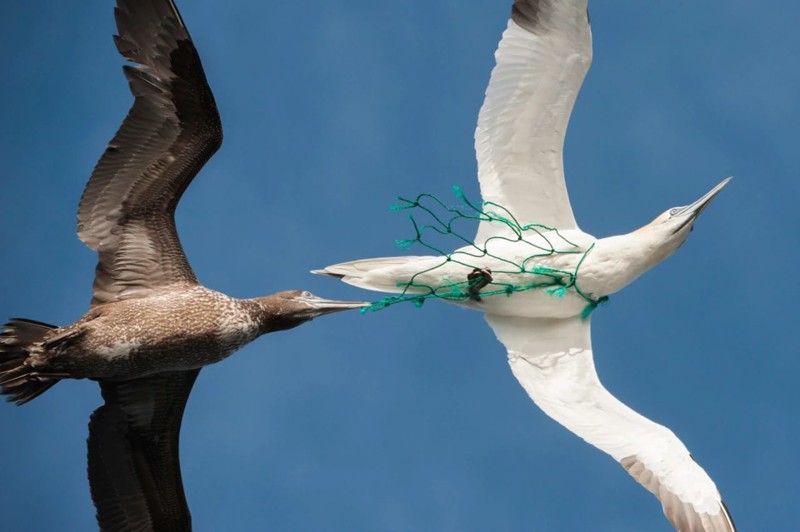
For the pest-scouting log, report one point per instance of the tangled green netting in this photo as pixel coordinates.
(441, 220)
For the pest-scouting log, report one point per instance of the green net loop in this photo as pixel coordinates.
(440, 221)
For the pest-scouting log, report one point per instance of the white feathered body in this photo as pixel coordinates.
(552, 276)
(547, 274)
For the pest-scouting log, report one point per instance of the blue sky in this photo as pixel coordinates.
(409, 419)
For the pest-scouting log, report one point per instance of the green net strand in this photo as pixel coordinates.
(440, 220)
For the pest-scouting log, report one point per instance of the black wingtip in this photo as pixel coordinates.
(531, 14)
(527, 14)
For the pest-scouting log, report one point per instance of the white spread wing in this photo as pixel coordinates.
(541, 61)
(552, 359)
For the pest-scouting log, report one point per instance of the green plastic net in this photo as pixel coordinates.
(440, 223)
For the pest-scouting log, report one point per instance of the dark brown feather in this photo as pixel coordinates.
(527, 13)
(17, 339)
(134, 467)
(533, 15)
(127, 210)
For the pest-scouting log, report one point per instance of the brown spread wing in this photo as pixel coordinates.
(127, 210)
(134, 469)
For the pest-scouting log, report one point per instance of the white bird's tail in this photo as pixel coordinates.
(385, 274)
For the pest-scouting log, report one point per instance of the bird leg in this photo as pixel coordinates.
(479, 278)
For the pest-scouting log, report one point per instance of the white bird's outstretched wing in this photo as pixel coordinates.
(552, 359)
(541, 61)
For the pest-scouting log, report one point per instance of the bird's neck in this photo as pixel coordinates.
(617, 261)
(273, 315)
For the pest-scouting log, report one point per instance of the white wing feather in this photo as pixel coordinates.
(520, 135)
(552, 359)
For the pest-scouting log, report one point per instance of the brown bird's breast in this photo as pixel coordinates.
(173, 331)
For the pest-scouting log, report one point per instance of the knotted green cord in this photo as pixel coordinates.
(460, 290)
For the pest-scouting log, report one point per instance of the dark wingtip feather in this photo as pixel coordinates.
(527, 14)
(531, 15)
(728, 515)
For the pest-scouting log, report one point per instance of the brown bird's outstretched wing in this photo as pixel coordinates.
(134, 468)
(127, 210)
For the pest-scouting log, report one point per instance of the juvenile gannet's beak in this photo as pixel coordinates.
(319, 306)
(688, 214)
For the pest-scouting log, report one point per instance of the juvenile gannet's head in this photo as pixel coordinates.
(288, 309)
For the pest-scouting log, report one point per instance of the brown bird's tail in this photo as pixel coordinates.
(17, 378)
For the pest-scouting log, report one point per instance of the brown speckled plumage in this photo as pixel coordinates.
(151, 325)
(175, 330)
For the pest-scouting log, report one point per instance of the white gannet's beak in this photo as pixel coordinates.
(688, 214)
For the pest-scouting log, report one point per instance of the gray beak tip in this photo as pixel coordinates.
(688, 215)
(701, 203)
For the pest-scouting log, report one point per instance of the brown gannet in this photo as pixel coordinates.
(536, 275)
(151, 326)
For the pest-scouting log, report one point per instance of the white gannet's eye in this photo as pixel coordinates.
(307, 294)
(675, 210)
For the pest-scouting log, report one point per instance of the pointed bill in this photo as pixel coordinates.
(697, 207)
(688, 214)
(320, 306)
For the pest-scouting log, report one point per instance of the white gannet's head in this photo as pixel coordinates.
(637, 252)
(672, 227)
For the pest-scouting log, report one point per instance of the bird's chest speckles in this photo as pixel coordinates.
(236, 326)
(168, 332)
(118, 349)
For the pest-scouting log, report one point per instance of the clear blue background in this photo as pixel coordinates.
(409, 419)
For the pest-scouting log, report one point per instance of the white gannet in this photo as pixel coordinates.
(542, 60)
(152, 326)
